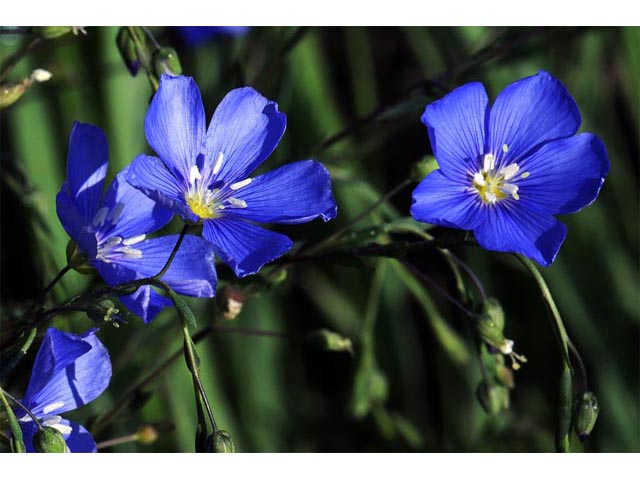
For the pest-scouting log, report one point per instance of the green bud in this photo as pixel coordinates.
(103, 311)
(494, 310)
(585, 414)
(422, 168)
(78, 260)
(220, 442)
(52, 32)
(49, 440)
(10, 93)
(165, 60)
(493, 398)
(490, 332)
(331, 341)
(128, 51)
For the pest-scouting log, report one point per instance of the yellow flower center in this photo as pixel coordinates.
(494, 185)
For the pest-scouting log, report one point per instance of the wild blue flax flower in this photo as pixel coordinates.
(204, 175)
(69, 372)
(505, 171)
(111, 231)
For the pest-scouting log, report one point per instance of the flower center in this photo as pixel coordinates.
(494, 185)
(118, 248)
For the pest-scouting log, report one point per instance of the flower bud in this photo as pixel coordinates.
(585, 414)
(493, 398)
(422, 168)
(10, 93)
(128, 51)
(78, 260)
(165, 60)
(52, 32)
(493, 309)
(230, 300)
(327, 340)
(220, 442)
(49, 440)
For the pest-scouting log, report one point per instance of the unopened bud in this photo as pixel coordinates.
(165, 60)
(230, 300)
(585, 414)
(493, 309)
(491, 333)
(128, 51)
(331, 341)
(49, 440)
(147, 434)
(52, 32)
(10, 93)
(220, 442)
(493, 398)
(422, 168)
(78, 260)
(40, 75)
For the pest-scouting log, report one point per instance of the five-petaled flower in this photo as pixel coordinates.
(505, 171)
(203, 175)
(69, 372)
(111, 230)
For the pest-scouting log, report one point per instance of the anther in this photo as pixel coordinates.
(218, 164)
(238, 185)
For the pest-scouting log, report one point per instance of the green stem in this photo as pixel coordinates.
(21, 405)
(13, 60)
(118, 441)
(174, 252)
(17, 442)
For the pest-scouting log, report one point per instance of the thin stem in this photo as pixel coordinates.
(472, 275)
(174, 252)
(22, 406)
(13, 60)
(151, 37)
(557, 324)
(581, 368)
(117, 441)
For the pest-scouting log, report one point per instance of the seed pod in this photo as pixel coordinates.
(585, 414)
(220, 442)
(49, 440)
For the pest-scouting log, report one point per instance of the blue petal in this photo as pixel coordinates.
(175, 123)
(441, 201)
(138, 213)
(87, 163)
(79, 440)
(529, 112)
(245, 128)
(565, 175)
(294, 193)
(151, 176)
(517, 229)
(74, 224)
(245, 247)
(145, 302)
(197, 35)
(69, 372)
(456, 125)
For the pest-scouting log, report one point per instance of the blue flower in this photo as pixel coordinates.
(69, 372)
(505, 171)
(197, 35)
(111, 230)
(203, 175)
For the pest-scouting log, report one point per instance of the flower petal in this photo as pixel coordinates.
(245, 247)
(138, 214)
(79, 440)
(151, 176)
(245, 129)
(441, 201)
(517, 229)
(528, 113)
(175, 123)
(69, 372)
(87, 163)
(74, 224)
(565, 175)
(294, 193)
(456, 125)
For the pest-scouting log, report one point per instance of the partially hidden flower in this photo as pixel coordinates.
(195, 36)
(204, 174)
(505, 171)
(110, 230)
(69, 372)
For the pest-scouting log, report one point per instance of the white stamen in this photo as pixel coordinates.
(238, 185)
(101, 216)
(134, 240)
(236, 202)
(507, 347)
(478, 179)
(50, 408)
(525, 175)
(490, 197)
(131, 252)
(63, 429)
(194, 174)
(114, 216)
(218, 164)
(51, 420)
(489, 162)
(111, 242)
(509, 171)
(511, 189)
(505, 148)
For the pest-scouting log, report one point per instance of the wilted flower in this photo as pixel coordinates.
(69, 372)
(110, 231)
(505, 171)
(203, 175)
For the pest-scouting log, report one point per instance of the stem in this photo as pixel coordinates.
(151, 37)
(12, 61)
(21, 405)
(174, 252)
(117, 441)
(558, 326)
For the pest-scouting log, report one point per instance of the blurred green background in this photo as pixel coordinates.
(279, 395)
